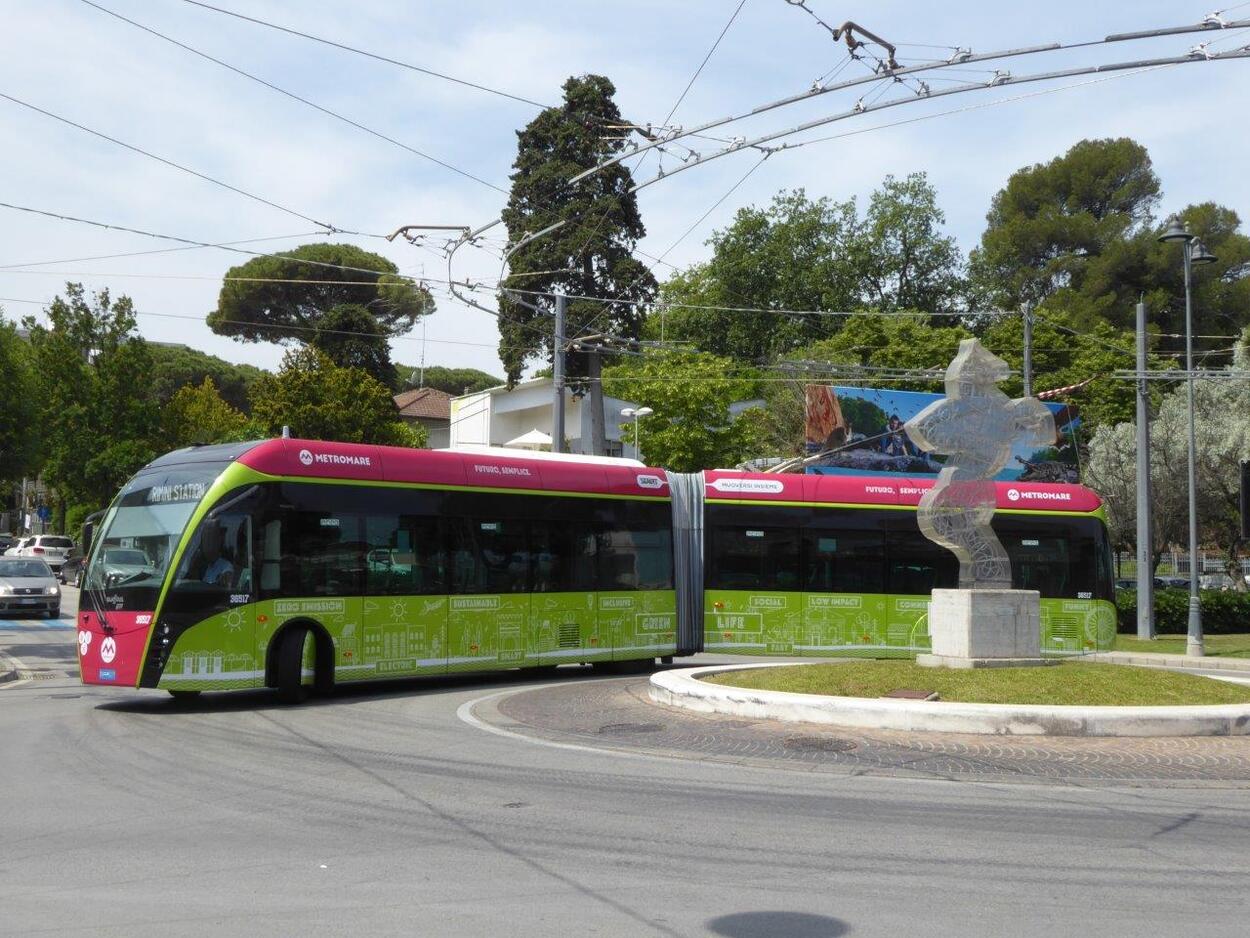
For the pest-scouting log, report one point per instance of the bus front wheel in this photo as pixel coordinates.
(291, 687)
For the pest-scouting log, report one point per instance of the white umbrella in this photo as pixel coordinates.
(535, 439)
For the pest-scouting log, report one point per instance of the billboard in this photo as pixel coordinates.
(859, 431)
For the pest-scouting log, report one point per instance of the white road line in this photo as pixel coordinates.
(15, 664)
(465, 713)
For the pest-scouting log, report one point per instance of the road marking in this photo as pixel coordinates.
(53, 624)
(14, 664)
(465, 713)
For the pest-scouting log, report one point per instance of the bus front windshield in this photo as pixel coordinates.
(139, 535)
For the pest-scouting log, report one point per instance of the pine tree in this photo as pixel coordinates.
(591, 255)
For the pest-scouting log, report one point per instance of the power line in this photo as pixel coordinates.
(287, 328)
(961, 57)
(367, 54)
(170, 163)
(204, 244)
(295, 97)
(194, 247)
(1003, 79)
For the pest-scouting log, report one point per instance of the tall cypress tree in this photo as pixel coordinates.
(591, 255)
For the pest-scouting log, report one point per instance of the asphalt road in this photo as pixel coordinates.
(381, 811)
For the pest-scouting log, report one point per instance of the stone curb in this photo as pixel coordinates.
(682, 688)
(1154, 659)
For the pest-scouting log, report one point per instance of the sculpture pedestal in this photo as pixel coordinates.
(984, 629)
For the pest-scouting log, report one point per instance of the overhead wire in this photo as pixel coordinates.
(371, 55)
(193, 247)
(167, 162)
(295, 97)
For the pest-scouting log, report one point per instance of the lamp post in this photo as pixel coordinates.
(1193, 252)
(635, 414)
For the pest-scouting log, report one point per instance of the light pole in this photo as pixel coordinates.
(635, 414)
(1193, 252)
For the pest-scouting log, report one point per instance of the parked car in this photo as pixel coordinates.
(6, 541)
(119, 564)
(1172, 582)
(1125, 584)
(27, 585)
(50, 548)
(1215, 581)
(71, 572)
(15, 549)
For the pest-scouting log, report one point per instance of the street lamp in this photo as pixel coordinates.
(635, 414)
(1194, 252)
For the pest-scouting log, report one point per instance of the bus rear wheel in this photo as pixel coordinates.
(290, 669)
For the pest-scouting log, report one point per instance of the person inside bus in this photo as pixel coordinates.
(218, 571)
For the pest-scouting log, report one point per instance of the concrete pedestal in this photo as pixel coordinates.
(984, 629)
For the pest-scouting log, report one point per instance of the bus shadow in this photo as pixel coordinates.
(232, 701)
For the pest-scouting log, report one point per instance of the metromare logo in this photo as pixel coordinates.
(1014, 495)
(307, 457)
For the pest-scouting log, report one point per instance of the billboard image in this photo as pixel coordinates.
(859, 431)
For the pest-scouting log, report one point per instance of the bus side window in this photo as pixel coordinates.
(271, 558)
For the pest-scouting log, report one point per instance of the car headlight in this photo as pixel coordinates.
(6, 590)
(52, 590)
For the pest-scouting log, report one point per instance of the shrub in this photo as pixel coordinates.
(1223, 613)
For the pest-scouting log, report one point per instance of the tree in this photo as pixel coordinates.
(352, 338)
(291, 296)
(795, 255)
(19, 420)
(905, 261)
(176, 366)
(99, 417)
(1222, 433)
(320, 401)
(591, 254)
(692, 427)
(454, 381)
(197, 414)
(805, 255)
(1050, 219)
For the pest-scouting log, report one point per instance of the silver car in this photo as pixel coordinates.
(28, 585)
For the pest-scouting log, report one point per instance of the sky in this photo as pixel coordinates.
(75, 61)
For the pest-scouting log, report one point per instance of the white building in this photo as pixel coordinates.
(497, 415)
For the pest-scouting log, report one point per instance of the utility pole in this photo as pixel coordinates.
(594, 372)
(1026, 310)
(557, 375)
(1145, 537)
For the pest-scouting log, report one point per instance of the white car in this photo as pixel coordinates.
(50, 548)
(27, 585)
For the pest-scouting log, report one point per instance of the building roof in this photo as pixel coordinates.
(428, 403)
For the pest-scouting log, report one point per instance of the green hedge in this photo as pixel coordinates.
(1223, 613)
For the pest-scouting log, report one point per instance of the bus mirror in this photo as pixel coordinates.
(88, 532)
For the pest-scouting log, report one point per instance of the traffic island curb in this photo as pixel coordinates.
(683, 688)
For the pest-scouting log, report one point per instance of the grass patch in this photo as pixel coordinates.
(1069, 683)
(1227, 646)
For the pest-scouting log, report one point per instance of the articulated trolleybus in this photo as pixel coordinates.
(293, 564)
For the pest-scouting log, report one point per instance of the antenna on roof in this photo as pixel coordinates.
(286, 432)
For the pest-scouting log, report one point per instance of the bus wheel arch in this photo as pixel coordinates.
(283, 660)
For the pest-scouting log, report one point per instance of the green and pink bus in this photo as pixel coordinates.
(297, 564)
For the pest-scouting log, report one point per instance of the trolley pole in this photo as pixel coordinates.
(557, 376)
(1145, 538)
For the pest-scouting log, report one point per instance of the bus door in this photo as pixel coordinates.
(405, 604)
(312, 570)
(488, 613)
(209, 615)
(564, 623)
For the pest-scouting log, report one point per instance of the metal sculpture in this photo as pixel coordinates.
(974, 427)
